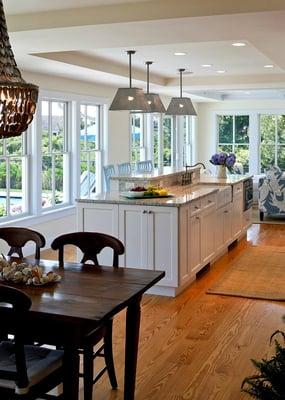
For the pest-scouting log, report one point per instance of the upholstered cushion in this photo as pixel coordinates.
(273, 171)
(40, 363)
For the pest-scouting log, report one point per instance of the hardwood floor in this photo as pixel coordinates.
(199, 346)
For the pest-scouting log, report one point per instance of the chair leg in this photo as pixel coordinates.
(88, 370)
(261, 215)
(108, 353)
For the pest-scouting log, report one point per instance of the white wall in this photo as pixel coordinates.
(206, 129)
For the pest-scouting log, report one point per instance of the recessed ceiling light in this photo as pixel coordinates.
(238, 44)
(269, 66)
(221, 71)
(181, 53)
(206, 65)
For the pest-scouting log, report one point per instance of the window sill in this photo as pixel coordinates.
(48, 216)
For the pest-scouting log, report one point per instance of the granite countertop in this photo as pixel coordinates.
(229, 180)
(182, 195)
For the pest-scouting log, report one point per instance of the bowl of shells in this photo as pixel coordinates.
(26, 273)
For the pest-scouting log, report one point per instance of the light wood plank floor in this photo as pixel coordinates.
(199, 346)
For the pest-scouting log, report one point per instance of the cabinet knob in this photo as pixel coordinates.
(150, 212)
(197, 217)
(196, 208)
(226, 211)
(144, 211)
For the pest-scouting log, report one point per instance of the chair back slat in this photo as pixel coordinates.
(109, 170)
(143, 167)
(91, 244)
(20, 303)
(17, 237)
(124, 169)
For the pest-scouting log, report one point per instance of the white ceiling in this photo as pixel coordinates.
(32, 6)
(91, 42)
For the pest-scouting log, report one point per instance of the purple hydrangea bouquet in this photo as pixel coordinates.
(224, 159)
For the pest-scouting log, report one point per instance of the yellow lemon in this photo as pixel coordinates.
(163, 192)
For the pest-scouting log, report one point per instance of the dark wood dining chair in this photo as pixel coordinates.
(26, 372)
(91, 244)
(17, 237)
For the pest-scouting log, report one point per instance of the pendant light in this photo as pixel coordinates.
(131, 99)
(153, 99)
(17, 98)
(180, 105)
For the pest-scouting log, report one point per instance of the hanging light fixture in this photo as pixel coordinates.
(17, 98)
(180, 105)
(153, 99)
(130, 99)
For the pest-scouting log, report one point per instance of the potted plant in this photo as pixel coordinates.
(224, 161)
(269, 383)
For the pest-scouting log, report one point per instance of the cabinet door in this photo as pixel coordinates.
(102, 218)
(219, 229)
(194, 244)
(184, 242)
(133, 227)
(237, 214)
(227, 222)
(163, 242)
(208, 221)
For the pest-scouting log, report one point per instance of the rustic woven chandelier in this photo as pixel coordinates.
(17, 98)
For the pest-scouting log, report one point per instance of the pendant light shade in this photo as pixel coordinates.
(130, 99)
(153, 99)
(180, 105)
(17, 98)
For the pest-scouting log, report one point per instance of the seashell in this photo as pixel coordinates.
(27, 271)
(44, 279)
(57, 278)
(18, 275)
(29, 281)
(36, 280)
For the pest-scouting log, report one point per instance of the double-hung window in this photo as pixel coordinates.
(89, 149)
(137, 138)
(187, 139)
(272, 141)
(13, 176)
(233, 137)
(168, 140)
(55, 162)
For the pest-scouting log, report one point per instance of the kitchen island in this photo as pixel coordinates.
(179, 235)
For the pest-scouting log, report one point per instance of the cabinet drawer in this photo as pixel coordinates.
(238, 188)
(195, 207)
(208, 200)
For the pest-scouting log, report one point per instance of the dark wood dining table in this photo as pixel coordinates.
(63, 313)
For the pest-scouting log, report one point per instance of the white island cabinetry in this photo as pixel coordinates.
(180, 235)
(150, 238)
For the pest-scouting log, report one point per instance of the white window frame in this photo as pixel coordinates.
(143, 139)
(33, 178)
(276, 113)
(65, 153)
(99, 148)
(24, 157)
(250, 129)
(254, 127)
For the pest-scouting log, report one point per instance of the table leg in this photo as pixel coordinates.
(70, 373)
(131, 348)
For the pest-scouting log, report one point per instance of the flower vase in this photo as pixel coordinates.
(222, 172)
